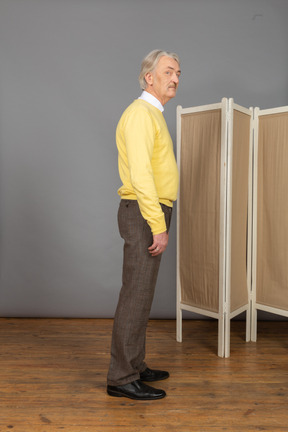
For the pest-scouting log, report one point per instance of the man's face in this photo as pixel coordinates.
(163, 81)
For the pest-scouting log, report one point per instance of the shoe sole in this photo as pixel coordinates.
(118, 394)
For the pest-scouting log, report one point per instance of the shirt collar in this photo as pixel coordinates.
(148, 97)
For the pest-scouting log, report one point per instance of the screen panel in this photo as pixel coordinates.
(272, 211)
(199, 209)
(240, 177)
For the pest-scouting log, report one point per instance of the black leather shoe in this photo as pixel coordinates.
(136, 390)
(150, 375)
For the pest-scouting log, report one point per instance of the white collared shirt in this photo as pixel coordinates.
(148, 97)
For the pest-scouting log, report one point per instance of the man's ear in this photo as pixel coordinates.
(149, 78)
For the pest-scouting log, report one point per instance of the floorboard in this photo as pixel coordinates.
(53, 378)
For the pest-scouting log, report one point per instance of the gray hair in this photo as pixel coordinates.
(150, 62)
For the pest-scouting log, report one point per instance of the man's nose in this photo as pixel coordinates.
(175, 78)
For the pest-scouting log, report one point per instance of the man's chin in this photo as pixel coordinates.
(172, 92)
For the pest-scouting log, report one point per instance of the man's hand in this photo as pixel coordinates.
(160, 242)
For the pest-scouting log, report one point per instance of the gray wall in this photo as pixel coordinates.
(68, 68)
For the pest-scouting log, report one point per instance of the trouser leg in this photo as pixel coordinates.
(139, 278)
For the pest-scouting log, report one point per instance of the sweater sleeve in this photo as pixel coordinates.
(139, 134)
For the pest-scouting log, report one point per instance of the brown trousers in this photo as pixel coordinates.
(140, 271)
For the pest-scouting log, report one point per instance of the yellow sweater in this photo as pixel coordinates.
(146, 161)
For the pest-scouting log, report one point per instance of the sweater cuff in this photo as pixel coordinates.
(158, 225)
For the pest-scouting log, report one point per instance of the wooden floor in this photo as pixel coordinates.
(53, 378)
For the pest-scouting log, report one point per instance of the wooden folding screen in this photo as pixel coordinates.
(270, 214)
(214, 155)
